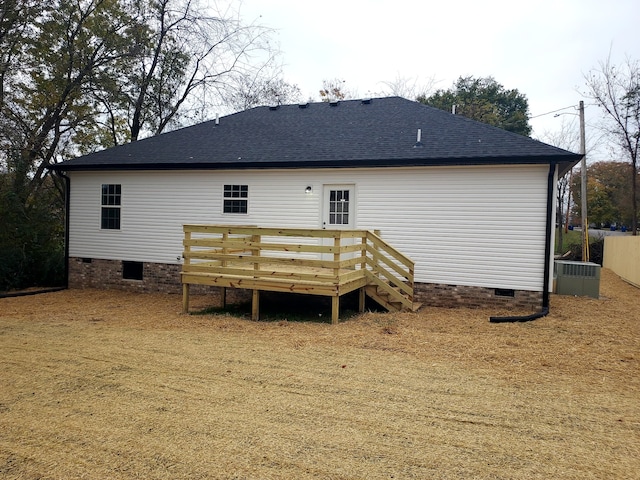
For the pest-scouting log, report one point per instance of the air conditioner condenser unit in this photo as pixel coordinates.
(577, 278)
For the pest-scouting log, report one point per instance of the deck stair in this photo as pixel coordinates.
(311, 261)
(391, 302)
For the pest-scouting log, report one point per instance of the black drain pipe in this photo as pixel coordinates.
(67, 209)
(544, 311)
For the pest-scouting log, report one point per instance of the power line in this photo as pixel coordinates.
(554, 111)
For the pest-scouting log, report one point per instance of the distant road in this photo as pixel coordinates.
(597, 233)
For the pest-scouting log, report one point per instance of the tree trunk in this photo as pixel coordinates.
(634, 197)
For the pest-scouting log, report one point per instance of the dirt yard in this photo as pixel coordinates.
(99, 384)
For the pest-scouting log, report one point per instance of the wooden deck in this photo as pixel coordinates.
(310, 261)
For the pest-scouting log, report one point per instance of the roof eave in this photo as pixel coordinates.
(567, 162)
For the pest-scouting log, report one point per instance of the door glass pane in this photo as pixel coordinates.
(339, 207)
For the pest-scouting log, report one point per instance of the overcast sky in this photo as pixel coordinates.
(542, 48)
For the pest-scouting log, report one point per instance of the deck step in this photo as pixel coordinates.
(385, 300)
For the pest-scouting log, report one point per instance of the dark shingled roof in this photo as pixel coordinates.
(351, 133)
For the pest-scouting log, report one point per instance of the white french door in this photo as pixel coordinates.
(338, 207)
(338, 212)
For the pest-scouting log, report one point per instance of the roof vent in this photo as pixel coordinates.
(418, 143)
(334, 103)
(366, 101)
(274, 107)
(303, 105)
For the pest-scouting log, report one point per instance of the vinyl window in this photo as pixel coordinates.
(110, 212)
(236, 199)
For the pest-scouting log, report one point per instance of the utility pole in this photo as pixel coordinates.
(583, 188)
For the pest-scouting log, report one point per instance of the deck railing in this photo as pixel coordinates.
(312, 261)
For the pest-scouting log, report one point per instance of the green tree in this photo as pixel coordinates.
(484, 100)
(45, 107)
(15, 18)
(608, 193)
(54, 52)
(616, 90)
(31, 237)
(77, 75)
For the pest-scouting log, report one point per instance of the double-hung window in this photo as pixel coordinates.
(236, 199)
(110, 213)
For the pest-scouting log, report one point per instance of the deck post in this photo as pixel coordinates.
(185, 266)
(255, 306)
(185, 298)
(337, 255)
(256, 252)
(363, 267)
(225, 251)
(255, 299)
(375, 247)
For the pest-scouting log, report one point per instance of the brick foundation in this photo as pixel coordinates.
(156, 277)
(107, 274)
(159, 277)
(439, 295)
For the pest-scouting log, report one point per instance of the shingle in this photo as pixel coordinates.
(351, 133)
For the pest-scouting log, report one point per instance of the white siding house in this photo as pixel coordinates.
(478, 216)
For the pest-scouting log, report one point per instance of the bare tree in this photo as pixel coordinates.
(616, 90)
(408, 87)
(568, 138)
(335, 90)
(252, 91)
(187, 51)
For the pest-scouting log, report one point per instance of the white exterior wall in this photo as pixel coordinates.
(476, 226)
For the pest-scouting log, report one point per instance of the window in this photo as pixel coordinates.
(110, 215)
(236, 198)
(339, 207)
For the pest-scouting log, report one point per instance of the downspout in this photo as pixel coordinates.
(67, 205)
(544, 311)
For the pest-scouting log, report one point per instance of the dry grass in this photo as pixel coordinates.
(99, 384)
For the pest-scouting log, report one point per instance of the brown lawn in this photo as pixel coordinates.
(105, 384)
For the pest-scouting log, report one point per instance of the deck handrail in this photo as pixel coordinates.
(279, 259)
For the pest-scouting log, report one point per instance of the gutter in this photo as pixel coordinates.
(544, 311)
(257, 163)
